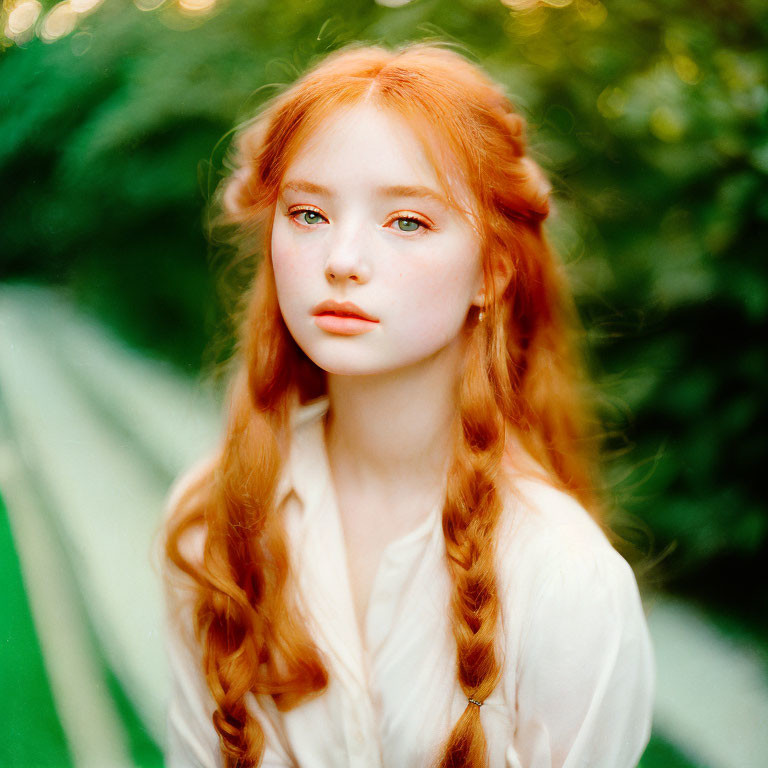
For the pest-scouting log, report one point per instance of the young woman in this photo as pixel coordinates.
(398, 555)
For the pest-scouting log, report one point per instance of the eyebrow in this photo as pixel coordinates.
(399, 190)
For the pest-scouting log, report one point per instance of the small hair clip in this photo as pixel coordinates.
(475, 701)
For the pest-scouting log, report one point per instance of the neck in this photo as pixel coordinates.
(390, 433)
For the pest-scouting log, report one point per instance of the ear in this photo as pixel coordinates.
(502, 274)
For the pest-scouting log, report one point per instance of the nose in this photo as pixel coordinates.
(347, 258)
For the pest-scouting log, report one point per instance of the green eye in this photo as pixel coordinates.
(310, 217)
(411, 225)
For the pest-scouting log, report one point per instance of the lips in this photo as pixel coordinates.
(342, 309)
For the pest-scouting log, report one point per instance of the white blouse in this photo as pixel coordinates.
(579, 669)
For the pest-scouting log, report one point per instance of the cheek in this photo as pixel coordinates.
(280, 248)
(442, 283)
(286, 266)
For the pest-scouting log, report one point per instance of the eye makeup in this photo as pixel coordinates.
(411, 216)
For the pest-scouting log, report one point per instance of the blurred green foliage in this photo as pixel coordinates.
(650, 117)
(26, 741)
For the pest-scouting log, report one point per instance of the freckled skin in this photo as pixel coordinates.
(419, 284)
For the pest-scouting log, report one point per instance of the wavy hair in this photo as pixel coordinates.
(522, 390)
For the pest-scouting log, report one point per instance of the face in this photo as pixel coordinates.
(360, 219)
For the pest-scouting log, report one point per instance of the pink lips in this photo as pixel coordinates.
(343, 318)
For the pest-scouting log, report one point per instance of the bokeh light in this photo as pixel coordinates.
(148, 5)
(196, 6)
(59, 21)
(84, 6)
(21, 20)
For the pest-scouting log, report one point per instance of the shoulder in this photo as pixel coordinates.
(191, 540)
(570, 602)
(551, 553)
(574, 630)
(185, 481)
(545, 520)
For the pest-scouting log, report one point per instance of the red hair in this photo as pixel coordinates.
(522, 390)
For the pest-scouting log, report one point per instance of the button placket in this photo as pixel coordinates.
(360, 731)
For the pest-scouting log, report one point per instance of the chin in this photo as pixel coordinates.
(347, 367)
(350, 362)
(355, 364)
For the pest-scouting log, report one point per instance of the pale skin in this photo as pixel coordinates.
(392, 390)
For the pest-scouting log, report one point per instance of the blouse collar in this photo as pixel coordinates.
(307, 470)
(301, 469)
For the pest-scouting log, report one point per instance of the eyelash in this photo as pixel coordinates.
(423, 223)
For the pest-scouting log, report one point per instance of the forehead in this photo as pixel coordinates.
(366, 145)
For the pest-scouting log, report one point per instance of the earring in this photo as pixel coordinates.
(480, 316)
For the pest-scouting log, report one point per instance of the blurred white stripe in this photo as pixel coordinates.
(712, 693)
(105, 497)
(87, 713)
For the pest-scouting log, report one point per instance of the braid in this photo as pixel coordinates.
(232, 653)
(247, 561)
(532, 186)
(473, 508)
(241, 738)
